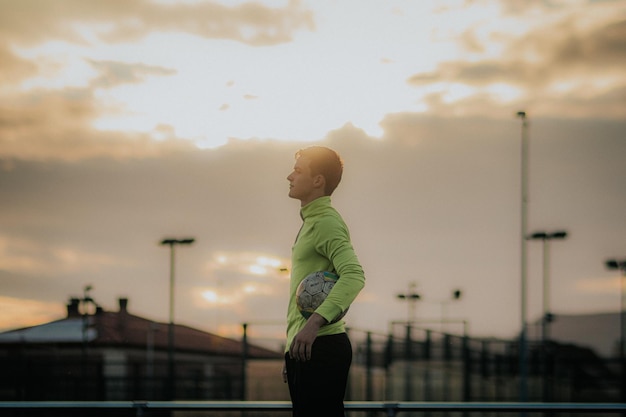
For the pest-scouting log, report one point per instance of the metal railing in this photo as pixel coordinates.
(390, 408)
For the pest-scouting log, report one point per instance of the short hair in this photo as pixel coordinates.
(326, 162)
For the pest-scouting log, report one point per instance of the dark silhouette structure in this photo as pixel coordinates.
(107, 356)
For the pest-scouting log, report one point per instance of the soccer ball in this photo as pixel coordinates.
(313, 290)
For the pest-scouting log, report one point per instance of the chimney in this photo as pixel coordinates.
(72, 308)
(123, 305)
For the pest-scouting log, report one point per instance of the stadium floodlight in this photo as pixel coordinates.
(411, 296)
(620, 264)
(523, 354)
(171, 242)
(547, 316)
(546, 237)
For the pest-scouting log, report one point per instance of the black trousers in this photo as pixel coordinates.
(317, 387)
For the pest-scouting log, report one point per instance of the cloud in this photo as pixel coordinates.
(22, 312)
(45, 123)
(126, 100)
(559, 52)
(113, 73)
(516, 7)
(57, 124)
(596, 285)
(57, 121)
(477, 74)
(14, 68)
(31, 21)
(259, 265)
(249, 23)
(33, 124)
(568, 48)
(557, 65)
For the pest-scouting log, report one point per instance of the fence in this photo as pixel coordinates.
(424, 365)
(408, 364)
(391, 409)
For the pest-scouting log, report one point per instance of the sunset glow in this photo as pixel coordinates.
(123, 122)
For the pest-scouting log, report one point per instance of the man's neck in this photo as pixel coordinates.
(311, 199)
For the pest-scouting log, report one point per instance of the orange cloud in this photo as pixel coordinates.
(31, 21)
(18, 313)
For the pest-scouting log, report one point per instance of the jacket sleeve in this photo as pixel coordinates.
(334, 244)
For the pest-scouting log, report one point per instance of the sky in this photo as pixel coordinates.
(126, 122)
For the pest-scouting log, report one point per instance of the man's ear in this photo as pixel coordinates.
(319, 181)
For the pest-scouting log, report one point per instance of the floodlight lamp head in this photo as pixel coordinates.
(172, 241)
(561, 234)
(612, 264)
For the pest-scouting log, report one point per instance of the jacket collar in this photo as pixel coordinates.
(315, 207)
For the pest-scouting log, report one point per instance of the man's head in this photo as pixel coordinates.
(316, 173)
(326, 162)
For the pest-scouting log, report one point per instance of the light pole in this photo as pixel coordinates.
(620, 265)
(171, 242)
(547, 316)
(411, 296)
(546, 237)
(523, 362)
(456, 295)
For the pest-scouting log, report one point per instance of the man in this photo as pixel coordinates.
(318, 351)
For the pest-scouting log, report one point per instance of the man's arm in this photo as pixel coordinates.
(334, 244)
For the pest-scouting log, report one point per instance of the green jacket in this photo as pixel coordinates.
(323, 244)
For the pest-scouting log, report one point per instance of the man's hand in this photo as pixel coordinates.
(302, 344)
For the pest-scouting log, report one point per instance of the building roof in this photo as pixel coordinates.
(598, 331)
(104, 328)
